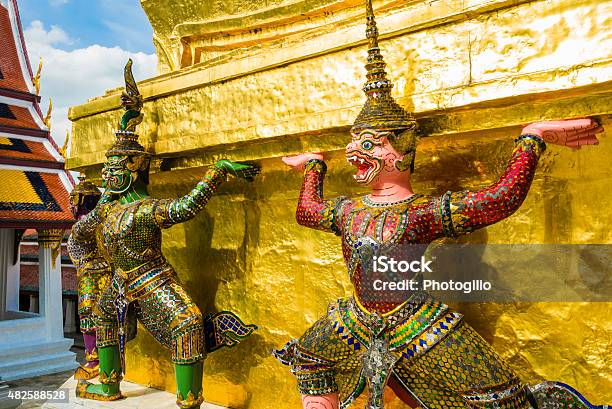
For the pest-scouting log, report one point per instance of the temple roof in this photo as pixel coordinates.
(37, 193)
(16, 116)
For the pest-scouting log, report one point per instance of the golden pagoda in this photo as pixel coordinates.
(256, 80)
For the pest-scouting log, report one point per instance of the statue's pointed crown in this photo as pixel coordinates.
(126, 138)
(380, 112)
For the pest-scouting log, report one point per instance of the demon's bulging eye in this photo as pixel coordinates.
(367, 145)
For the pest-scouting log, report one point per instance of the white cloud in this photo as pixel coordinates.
(72, 77)
(58, 3)
(37, 35)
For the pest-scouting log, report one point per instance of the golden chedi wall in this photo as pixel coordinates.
(259, 79)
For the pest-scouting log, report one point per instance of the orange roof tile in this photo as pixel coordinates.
(33, 199)
(18, 116)
(14, 148)
(12, 76)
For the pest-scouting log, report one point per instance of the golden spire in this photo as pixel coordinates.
(380, 111)
(377, 81)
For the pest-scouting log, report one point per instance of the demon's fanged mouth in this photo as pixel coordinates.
(367, 166)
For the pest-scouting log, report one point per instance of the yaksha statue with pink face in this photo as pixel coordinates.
(126, 228)
(414, 343)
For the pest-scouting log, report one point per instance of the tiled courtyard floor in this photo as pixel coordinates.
(137, 396)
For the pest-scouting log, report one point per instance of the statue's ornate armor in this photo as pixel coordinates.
(418, 340)
(93, 274)
(129, 237)
(126, 229)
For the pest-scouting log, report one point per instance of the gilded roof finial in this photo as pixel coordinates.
(47, 119)
(36, 78)
(64, 150)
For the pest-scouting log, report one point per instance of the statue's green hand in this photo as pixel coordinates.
(246, 171)
(106, 198)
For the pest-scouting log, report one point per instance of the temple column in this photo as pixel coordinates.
(69, 320)
(5, 259)
(13, 273)
(50, 282)
(9, 273)
(33, 304)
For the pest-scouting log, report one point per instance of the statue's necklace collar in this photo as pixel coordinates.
(368, 202)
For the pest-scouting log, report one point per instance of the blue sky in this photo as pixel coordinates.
(108, 23)
(84, 45)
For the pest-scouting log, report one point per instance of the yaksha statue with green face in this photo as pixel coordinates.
(126, 226)
(93, 274)
(420, 347)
